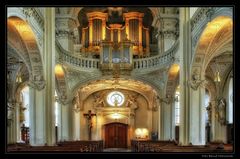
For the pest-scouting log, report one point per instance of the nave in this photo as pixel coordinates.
(112, 79)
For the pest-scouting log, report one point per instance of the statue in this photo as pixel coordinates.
(221, 111)
(132, 102)
(195, 81)
(156, 102)
(89, 116)
(98, 102)
(209, 111)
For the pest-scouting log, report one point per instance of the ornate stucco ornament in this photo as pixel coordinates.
(39, 85)
(167, 100)
(195, 82)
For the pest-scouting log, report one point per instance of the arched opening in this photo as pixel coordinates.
(230, 101)
(208, 110)
(212, 60)
(24, 114)
(230, 129)
(125, 101)
(177, 113)
(24, 66)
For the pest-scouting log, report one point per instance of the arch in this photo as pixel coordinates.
(60, 77)
(172, 80)
(212, 13)
(216, 36)
(147, 91)
(35, 23)
(22, 39)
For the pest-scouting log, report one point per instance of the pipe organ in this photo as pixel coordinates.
(101, 36)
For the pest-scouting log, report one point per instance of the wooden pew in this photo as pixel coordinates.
(71, 146)
(171, 146)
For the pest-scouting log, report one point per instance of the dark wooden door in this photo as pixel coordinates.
(116, 135)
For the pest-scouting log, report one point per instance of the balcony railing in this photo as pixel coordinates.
(155, 62)
(77, 61)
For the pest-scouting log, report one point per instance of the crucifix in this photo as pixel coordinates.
(89, 116)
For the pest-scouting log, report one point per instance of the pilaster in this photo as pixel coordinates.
(185, 51)
(65, 122)
(49, 59)
(11, 123)
(37, 117)
(76, 124)
(65, 32)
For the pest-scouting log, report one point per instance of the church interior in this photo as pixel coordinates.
(119, 79)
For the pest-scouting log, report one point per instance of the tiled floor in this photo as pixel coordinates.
(116, 150)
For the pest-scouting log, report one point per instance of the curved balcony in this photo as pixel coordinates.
(147, 64)
(155, 62)
(77, 61)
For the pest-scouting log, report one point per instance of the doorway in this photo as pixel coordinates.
(116, 135)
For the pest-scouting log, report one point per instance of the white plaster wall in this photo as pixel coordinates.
(168, 43)
(192, 11)
(142, 117)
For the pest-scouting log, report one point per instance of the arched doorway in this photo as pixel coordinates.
(116, 135)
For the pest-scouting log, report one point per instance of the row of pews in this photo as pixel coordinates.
(66, 146)
(172, 146)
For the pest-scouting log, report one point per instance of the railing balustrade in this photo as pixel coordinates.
(138, 64)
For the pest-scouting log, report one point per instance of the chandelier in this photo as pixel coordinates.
(19, 79)
(217, 77)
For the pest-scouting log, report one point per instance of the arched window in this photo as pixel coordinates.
(230, 102)
(115, 98)
(25, 105)
(56, 110)
(207, 100)
(177, 106)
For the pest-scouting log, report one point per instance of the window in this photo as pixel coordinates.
(115, 98)
(206, 105)
(230, 101)
(56, 110)
(177, 107)
(25, 95)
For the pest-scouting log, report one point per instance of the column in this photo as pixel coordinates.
(173, 125)
(185, 52)
(49, 60)
(65, 122)
(167, 119)
(161, 122)
(218, 131)
(170, 32)
(90, 32)
(11, 123)
(65, 34)
(197, 116)
(161, 42)
(76, 126)
(98, 126)
(37, 117)
(140, 36)
(18, 129)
